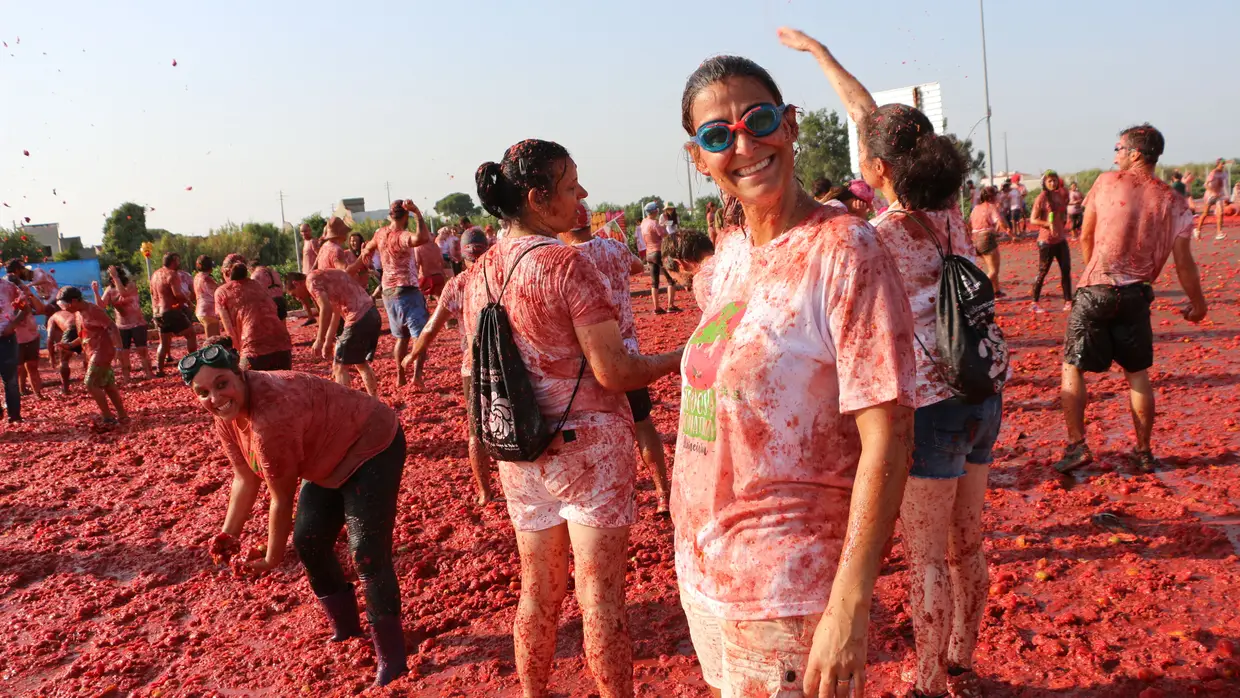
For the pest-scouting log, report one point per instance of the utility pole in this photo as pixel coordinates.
(389, 192)
(1006, 166)
(284, 224)
(990, 143)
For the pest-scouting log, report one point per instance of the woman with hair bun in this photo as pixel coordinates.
(921, 173)
(579, 492)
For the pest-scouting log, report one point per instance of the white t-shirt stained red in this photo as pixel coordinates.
(796, 335)
(614, 261)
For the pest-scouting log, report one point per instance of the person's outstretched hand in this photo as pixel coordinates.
(836, 666)
(412, 208)
(797, 39)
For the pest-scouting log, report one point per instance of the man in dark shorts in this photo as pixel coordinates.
(652, 234)
(1133, 222)
(336, 294)
(172, 309)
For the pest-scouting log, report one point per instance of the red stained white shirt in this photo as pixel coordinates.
(309, 254)
(396, 254)
(95, 329)
(269, 279)
(921, 267)
(553, 290)
(333, 256)
(300, 423)
(985, 218)
(257, 328)
(339, 290)
(1139, 218)
(652, 234)
(796, 335)
(204, 288)
(163, 298)
(127, 304)
(450, 301)
(614, 261)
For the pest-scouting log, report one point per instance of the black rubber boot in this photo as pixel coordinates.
(389, 640)
(341, 609)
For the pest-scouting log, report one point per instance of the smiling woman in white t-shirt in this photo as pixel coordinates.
(795, 414)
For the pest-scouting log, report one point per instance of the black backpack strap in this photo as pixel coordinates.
(933, 237)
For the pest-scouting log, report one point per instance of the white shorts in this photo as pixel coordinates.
(588, 481)
(751, 658)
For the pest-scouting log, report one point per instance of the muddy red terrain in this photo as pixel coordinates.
(107, 589)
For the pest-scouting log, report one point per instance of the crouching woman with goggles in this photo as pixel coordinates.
(282, 427)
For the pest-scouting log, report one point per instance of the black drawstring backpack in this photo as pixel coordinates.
(505, 413)
(972, 354)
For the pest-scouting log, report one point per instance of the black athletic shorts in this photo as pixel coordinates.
(639, 402)
(134, 337)
(1110, 323)
(275, 361)
(174, 321)
(28, 351)
(357, 344)
(281, 306)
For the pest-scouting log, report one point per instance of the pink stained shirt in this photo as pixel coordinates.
(428, 259)
(333, 256)
(309, 254)
(652, 234)
(339, 290)
(9, 292)
(319, 429)
(1048, 203)
(985, 218)
(921, 267)
(614, 261)
(163, 296)
(1076, 201)
(450, 301)
(258, 329)
(95, 328)
(396, 253)
(127, 304)
(796, 335)
(553, 291)
(1139, 218)
(269, 279)
(204, 287)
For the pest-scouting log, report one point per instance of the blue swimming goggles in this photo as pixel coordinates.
(761, 121)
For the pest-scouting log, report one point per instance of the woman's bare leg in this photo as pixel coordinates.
(601, 556)
(926, 516)
(544, 582)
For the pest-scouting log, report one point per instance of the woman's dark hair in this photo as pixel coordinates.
(204, 263)
(674, 216)
(531, 165)
(717, 69)
(238, 272)
(359, 236)
(840, 194)
(687, 246)
(987, 195)
(821, 186)
(926, 169)
(121, 273)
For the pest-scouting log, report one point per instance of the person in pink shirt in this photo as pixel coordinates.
(1215, 198)
(309, 248)
(449, 308)
(27, 332)
(41, 280)
(204, 289)
(1050, 217)
(580, 491)
(1133, 222)
(249, 317)
(334, 255)
(347, 452)
(795, 413)
(13, 310)
(337, 295)
(652, 234)
(985, 222)
(402, 297)
(170, 305)
(270, 279)
(99, 336)
(431, 276)
(122, 298)
(614, 261)
(1076, 209)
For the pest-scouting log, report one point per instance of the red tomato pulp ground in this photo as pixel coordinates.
(106, 587)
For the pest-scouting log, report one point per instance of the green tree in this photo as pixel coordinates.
(123, 233)
(453, 206)
(316, 221)
(700, 203)
(14, 244)
(822, 147)
(976, 160)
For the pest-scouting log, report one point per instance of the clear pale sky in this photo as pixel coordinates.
(326, 100)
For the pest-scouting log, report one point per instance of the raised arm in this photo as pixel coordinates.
(1190, 280)
(614, 367)
(857, 100)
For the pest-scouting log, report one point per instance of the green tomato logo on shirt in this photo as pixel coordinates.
(703, 355)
